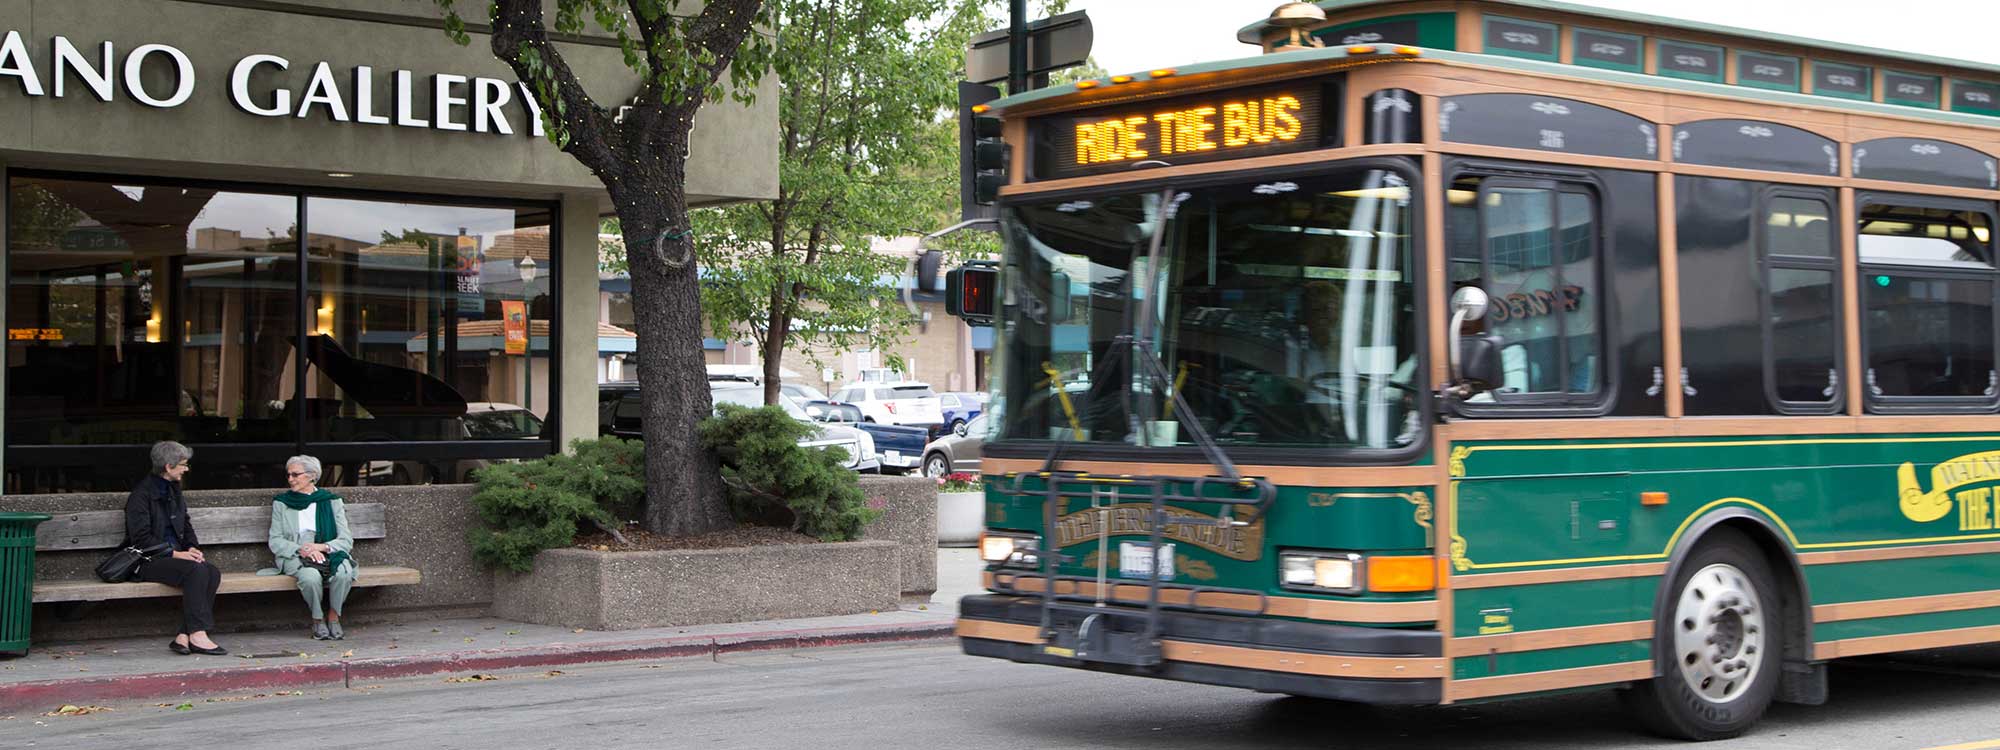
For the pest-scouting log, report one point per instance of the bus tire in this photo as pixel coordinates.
(1716, 644)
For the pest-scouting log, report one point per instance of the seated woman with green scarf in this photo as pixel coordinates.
(310, 537)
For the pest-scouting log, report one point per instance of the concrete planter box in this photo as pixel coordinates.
(960, 518)
(909, 518)
(576, 588)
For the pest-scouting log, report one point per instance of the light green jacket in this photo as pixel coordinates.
(285, 534)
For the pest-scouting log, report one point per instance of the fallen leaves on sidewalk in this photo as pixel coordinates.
(472, 678)
(69, 710)
(184, 707)
(348, 654)
(553, 673)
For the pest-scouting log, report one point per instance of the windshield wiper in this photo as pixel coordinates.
(1148, 360)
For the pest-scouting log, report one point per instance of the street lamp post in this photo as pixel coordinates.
(528, 271)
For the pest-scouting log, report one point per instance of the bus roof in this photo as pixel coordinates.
(1306, 57)
(1253, 33)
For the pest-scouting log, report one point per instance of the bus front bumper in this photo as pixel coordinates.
(1339, 662)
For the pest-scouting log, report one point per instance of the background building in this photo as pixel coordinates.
(296, 226)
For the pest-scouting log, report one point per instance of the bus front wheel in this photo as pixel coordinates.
(1715, 644)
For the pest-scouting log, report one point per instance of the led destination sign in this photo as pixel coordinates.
(1222, 125)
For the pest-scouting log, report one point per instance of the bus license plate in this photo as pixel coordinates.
(1134, 560)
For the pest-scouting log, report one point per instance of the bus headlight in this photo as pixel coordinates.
(1334, 572)
(1009, 548)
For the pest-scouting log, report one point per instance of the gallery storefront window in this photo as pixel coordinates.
(140, 310)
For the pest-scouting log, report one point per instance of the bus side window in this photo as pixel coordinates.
(1927, 300)
(1802, 318)
(1532, 245)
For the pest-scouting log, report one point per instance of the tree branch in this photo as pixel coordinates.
(521, 39)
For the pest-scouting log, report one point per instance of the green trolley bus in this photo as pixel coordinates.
(1452, 351)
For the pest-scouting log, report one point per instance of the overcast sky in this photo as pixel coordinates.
(1134, 35)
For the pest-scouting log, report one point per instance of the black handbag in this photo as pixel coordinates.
(124, 563)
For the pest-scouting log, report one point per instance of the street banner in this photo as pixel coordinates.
(514, 324)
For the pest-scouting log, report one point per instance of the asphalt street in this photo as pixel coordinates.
(929, 695)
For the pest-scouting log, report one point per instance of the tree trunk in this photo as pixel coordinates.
(684, 492)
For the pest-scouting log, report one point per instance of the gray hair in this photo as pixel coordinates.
(168, 453)
(308, 464)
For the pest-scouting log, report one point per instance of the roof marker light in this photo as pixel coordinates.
(1086, 84)
(1361, 49)
(1164, 73)
(1408, 51)
(980, 109)
(1121, 79)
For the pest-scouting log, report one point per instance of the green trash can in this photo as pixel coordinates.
(17, 578)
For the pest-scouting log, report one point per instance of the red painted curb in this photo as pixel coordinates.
(49, 695)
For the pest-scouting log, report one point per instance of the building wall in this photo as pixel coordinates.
(210, 136)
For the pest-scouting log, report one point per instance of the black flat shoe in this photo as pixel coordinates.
(217, 651)
(178, 648)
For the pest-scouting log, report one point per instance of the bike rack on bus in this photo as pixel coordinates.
(1094, 640)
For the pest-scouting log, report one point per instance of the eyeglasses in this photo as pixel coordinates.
(290, 474)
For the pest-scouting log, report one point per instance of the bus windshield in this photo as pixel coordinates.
(1284, 314)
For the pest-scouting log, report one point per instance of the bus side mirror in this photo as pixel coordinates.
(1475, 360)
(1479, 361)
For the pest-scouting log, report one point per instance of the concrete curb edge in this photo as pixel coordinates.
(48, 695)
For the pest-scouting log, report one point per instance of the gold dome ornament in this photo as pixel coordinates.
(1297, 16)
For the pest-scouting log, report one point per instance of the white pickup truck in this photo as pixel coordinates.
(904, 403)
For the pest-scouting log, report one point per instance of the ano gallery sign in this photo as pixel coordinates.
(345, 94)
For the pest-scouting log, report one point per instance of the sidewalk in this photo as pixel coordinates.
(85, 672)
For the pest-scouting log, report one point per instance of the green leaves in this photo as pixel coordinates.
(774, 480)
(535, 505)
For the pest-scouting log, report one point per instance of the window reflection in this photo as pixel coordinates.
(411, 317)
(1283, 309)
(140, 313)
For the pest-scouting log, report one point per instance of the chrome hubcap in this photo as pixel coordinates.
(1718, 633)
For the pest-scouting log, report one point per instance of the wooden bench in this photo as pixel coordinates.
(104, 530)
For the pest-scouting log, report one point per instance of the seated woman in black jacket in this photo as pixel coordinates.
(155, 513)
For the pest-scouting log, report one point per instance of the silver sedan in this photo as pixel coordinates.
(957, 452)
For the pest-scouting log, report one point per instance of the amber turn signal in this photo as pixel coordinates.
(1393, 574)
(1652, 498)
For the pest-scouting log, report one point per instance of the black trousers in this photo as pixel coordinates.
(197, 582)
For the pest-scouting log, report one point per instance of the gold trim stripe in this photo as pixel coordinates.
(1908, 605)
(1324, 665)
(1538, 640)
(1323, 476)
(1558, 575)
(1531, 682)
(1883, 644)
(1899, 553)
(998, 631)
(1278, 606)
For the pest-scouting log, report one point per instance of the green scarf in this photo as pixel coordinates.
(324, 528)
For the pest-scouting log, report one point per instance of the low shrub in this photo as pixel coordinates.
(774, 481)
(535, 505)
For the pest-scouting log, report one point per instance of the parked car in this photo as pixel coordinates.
(958, 451)
(901, 448)
(907, 403)
(619, 413)
(804, 394)
(959, 408)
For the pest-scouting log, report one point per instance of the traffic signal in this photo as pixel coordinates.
(971, 291)
(982, 152)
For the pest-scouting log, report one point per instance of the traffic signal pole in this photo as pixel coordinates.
(1017, 47)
